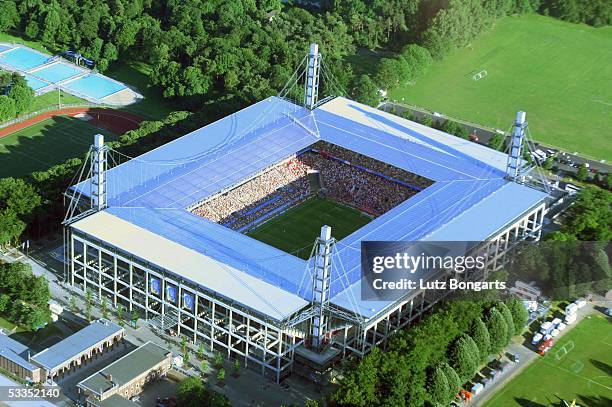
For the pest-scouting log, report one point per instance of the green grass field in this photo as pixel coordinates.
(559, 73)
(583, 373)
(295, 231)
(44, 144)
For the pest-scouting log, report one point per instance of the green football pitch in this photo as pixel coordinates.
(559, 73)
(45, 144)
(579, 366)
(295, 230)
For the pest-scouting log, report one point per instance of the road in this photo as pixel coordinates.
(484, 135)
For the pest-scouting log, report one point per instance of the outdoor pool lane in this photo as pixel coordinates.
(35, 83)
(24, 58)
(95, 85)
(57, 72)
(45, 73)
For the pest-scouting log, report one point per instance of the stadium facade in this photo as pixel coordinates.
(140, 245)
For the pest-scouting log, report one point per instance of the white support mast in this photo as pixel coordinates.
(98, 180)
(321, 286)
(311, 91)
(515, 153)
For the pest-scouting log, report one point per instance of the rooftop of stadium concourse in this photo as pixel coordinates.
(152, 192)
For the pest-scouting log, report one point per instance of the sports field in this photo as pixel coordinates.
(295, 231)
(583, 373)
(45, 144)
(559, 73)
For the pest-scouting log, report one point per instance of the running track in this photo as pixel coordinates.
(114, 120)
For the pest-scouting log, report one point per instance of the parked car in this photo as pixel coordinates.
(536, 338)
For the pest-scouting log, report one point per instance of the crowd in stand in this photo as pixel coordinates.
(372, 164)
(287, 184)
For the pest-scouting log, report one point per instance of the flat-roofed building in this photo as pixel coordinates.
(15, 359)
(127, 376)
(79, 348)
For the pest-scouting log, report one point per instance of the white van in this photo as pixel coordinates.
(571, 309)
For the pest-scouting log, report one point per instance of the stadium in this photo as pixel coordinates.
(245, 235)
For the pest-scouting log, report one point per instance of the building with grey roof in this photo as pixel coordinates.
(126, 376)
(78, 347)
(15, 359)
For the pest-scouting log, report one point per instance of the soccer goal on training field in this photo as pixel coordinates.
(478, 76)
(564, 350)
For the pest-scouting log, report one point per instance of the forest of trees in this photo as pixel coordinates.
(24, 297)
(16, 97)
(202, 50)
(427, 363)
(593, 12)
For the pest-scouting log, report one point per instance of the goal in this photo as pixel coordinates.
(564, 350)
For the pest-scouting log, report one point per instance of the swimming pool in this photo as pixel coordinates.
(35, 83)
(95, 85)
(45, 73)
(24, 58)
(57, 72)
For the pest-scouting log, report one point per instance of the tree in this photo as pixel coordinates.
(366, 91)
(201, 351)
(548, 163)
(590, 217)
(186, 358)
(359, 385)
(221, 375)
(503, 309)
(135, 316)
(218, 360)
(7, 108)
(4, 302)
(583, 173)
(237, 366)
(520, 316)
(481, 337)
(203, 366)
(51, 25)
(104, 307)
(88, 299)
(438, 387)
(191, 392)
(465, 357)
(183, 344)
(454, 381)
(388, 73)
(498, 329)
(418, 58)
(497, 141)
(120, 314)
(9, 17)
(73, 304)
(22, 95)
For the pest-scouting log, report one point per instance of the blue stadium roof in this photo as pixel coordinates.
(470, 200)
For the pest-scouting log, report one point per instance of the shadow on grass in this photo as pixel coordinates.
(527, 403)
(45, 144)
(603, 366)
(595, 401)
